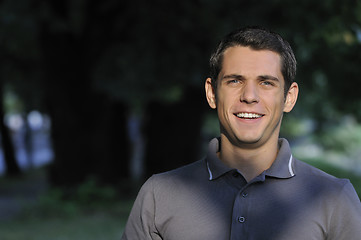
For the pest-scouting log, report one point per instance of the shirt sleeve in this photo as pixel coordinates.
(141, 224)
(346, 217)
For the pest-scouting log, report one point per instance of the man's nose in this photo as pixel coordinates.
(249, 93)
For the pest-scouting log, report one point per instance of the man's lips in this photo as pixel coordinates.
(247, 115)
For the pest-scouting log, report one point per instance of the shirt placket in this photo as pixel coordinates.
(242, 208)
(240, 215)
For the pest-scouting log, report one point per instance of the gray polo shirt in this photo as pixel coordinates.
(206, 200)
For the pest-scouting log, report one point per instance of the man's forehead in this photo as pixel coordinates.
(239, 60)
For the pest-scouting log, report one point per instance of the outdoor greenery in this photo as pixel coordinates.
(91, 211)
(93, 65)
(98, 226)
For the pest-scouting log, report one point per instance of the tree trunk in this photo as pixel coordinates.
(12, 167)
(174, 132)
(88, 129)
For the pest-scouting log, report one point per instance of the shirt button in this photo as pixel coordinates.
(241, 219)
(244, 194)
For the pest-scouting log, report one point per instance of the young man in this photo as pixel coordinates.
(249, 186)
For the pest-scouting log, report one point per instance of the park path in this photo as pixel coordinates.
(18, 193)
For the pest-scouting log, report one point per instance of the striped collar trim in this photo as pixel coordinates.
(290, 167)
(210, 172)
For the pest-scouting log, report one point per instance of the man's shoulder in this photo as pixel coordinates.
(191, 172)
(310, 173)
(174, 185)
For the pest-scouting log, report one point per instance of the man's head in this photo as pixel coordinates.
(257, 39)
(252, 85)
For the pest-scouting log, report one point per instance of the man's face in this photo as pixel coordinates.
(250, 98)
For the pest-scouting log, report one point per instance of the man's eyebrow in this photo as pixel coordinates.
(261, 77)
(233, 76)
(268, 77)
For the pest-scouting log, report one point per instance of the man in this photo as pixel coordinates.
(249, 186)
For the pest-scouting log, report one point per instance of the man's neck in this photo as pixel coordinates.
(249, 161)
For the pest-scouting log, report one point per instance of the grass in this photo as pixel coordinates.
(93, 212)
(68, 222)
(96, 226)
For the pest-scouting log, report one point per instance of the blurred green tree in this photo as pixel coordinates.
(56, 45)
(92, 63)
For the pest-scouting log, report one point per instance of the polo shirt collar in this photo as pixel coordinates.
(215, 166)
(282, 167)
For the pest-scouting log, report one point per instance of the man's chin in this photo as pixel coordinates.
(249, 142)
(244, 141)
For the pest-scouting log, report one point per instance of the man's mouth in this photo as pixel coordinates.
(244, 115)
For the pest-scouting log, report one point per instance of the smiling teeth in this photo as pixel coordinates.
(248, 115)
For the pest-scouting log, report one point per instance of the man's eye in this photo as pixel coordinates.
(267, 83)
(233, 81)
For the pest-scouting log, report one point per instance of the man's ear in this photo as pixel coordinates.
(291, 97)
(210, 93)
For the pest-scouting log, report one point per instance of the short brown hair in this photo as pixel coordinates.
(258, 39)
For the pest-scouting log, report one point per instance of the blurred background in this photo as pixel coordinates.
(98, 95)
